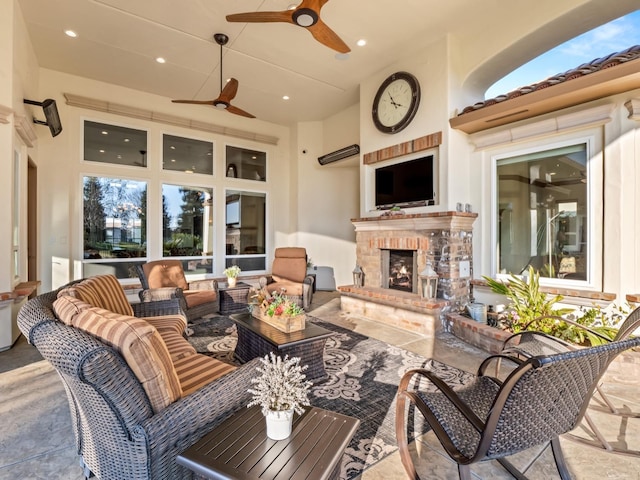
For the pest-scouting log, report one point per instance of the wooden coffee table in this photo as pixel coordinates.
(239, 447)
(257, 338)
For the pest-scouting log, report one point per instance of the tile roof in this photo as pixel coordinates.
(596, 65)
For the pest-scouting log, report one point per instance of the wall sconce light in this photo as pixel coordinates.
(428, 280)
(358, 277)
(50, 110)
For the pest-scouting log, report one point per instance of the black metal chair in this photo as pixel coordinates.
(544, 397)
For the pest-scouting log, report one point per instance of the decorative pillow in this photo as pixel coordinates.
(142, 348)
(102, 291)
(199, 297)
(67, 307)
(165, 273)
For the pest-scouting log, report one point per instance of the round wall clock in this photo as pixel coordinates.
(396, 102)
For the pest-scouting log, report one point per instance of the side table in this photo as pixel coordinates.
(234, 299)
(239, 448)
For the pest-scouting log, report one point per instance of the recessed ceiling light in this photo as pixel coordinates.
(172, 147)
(101, 151)
(70, 33)
(104, 132)
(362, 42)
(127, 140)
(285, 97)
(160, 60)
(292, 6)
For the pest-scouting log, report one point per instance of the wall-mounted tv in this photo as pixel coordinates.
(405, 184)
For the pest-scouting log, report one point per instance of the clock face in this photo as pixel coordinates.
(396, 102)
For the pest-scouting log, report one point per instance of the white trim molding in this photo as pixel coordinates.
(557, 124)
(135, 112)
(633, 106)
(24, 127)
(5, 113)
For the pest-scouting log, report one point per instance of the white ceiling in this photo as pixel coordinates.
(119, 40)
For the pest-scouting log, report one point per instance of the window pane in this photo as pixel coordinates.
(187, 221)
(187, 155)
(247, 164)
(118, 145)
(542, 213)
(115, 211)
(245, 220)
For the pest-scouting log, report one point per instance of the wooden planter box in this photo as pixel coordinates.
(283, 323)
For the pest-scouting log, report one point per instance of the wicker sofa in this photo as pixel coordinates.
(126, 422)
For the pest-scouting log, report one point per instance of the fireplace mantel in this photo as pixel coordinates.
(419, 221)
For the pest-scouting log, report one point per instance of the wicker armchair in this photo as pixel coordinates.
(289, 276)
(164, 279)
(117, 433)
(544, 397)
(527, 344)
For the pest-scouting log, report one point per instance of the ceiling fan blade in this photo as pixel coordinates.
(322, 33)
(229, 91)
(312, 4)
(258, 17)
(238, 111)
(196, 102)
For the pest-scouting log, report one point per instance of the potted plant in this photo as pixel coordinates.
(280, 391)
(232, 273)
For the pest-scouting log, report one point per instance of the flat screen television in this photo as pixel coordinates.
(405, 184)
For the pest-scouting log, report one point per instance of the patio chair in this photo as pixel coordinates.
(289, 276)
(527, 344)
(544, 397)
(164, 279)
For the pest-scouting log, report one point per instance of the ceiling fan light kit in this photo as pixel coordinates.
(228, 93)
(305, 15)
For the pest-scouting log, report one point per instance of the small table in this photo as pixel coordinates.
(257, 338)
(239, 448)
(234, 299)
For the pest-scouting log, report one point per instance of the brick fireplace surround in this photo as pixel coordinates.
(443, 238)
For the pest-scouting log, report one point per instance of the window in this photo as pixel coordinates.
(245, 163)
(187, 225)
(115, 228)
(245, 237)
(116, 145)
(187, 155)
(543, 213)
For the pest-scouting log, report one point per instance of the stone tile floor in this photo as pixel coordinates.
(42, 447)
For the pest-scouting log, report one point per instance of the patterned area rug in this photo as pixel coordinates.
(364, 374)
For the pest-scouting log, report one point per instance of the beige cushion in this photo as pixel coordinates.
(290, 288)
(290, 263)
(198, 370)
(68, 307)
(142, 348)
(199, 297)
(165, 273)
(102, 291)
(171, 328)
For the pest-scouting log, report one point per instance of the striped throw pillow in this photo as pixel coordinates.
(102, 291)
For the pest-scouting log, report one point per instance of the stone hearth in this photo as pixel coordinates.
(444, 239)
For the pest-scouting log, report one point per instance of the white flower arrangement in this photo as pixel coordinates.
(282, 385)
(232, 272)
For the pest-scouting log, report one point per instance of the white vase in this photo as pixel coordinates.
(231, 281)
(279, 424)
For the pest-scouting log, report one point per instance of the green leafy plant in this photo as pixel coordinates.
(528, 303)
(232, 272)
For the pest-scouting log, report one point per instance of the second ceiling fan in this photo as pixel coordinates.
(305, 15)
(227, 93)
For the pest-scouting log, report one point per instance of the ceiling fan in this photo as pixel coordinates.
(223, 102)
(306, 15)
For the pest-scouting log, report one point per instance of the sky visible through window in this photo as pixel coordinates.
(611, 37)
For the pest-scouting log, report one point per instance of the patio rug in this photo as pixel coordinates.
(364, 374)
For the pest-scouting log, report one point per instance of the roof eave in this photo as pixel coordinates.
(603, 83)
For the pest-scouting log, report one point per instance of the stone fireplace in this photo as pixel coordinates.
(394, 249)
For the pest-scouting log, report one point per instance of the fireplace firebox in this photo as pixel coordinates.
(399, 270)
